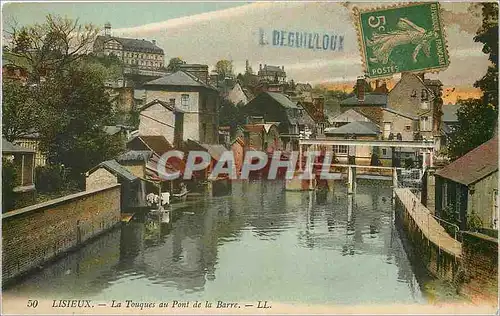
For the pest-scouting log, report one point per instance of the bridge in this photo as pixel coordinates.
(363, 142)
(427, 147)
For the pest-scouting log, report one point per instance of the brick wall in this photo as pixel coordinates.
(480, 266)
(38, 233)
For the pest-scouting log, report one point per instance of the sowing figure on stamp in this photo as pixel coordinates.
(406, 33)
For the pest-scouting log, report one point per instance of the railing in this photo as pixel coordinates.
(429, 224)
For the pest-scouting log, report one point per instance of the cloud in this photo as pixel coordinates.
(234, 34)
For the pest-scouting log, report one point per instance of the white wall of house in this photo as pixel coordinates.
(157, 120)
(484, 200)
(200, 113)
(399, 124)
(236, 95)
(191, 105)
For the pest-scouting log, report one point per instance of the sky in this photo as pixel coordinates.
(204, 32)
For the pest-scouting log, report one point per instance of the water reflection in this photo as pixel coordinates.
(259, 241)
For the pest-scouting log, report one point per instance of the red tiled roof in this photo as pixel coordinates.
(473, 166)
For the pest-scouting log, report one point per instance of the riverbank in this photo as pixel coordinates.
(260, 242)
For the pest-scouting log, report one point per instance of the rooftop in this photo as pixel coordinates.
(114, 167)
(474, 165)
(371, 99)
(355, 128)
(179, 78)
(133, 44)
(135, 155)
(270, 68)
(283, 100)
(8, 147)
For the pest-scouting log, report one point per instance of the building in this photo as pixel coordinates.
(110, 172)
(277, 107)
(369, 105)
(238, 95)
(398, 126)
(420, 98)
(32, 141)
(449, 121)
(347, 117)
(358, 130)
(316, 110)
(132, 52)
(159, 118)
(467, 188)
(261, 136)
(272, 74)
(198, 101)
(23, 160)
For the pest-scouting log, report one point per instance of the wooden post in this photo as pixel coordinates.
(354, 181)
(349, 180)
(300, 156)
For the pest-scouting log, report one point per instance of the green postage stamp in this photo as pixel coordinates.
(407, 38)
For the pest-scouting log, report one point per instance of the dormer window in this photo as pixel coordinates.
(424, 95)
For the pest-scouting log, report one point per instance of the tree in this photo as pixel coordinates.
(231, 115)
(9, 175)
(75, 107)
(477, 118)
(174, 64)
(20, 111)
(488, 35)
(224, 68)
(476, 125)
(52, 46)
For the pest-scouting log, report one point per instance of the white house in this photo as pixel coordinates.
(184, 92)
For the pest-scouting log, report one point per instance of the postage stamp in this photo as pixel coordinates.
(407, 38)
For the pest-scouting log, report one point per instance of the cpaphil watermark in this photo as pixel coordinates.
(305, 168)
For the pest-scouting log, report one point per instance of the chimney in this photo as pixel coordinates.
(360, 85)
(178, 129)
(107, 29)
(422, 76)
(283, 68)
(154, 42)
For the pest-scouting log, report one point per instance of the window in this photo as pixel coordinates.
(387, 129)
(185, 99)
(340, 149)
(407, 128)
(424, 123)
(172, 101)
(384, 151)
(424, 96)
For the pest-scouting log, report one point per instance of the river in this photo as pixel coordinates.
(259, 243)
